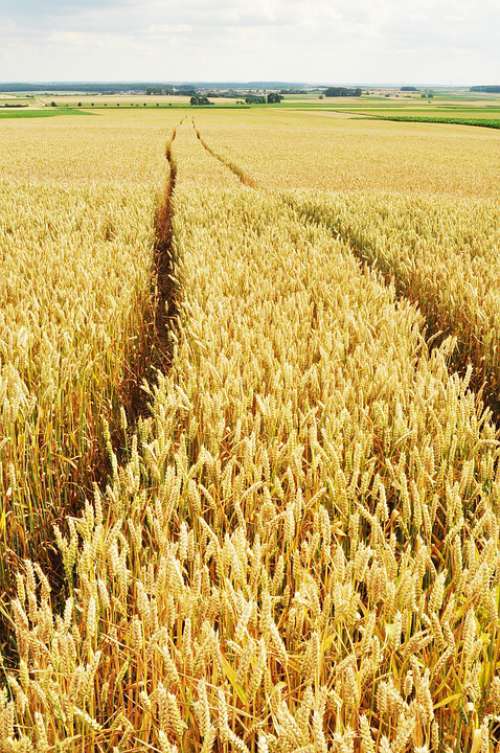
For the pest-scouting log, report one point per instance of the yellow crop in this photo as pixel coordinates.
(125, 149)
(296, 549)
(442, 254)
(338, 152)
(75, 288)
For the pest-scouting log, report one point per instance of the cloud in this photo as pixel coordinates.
(322, 40)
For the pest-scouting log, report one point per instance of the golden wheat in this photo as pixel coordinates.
(300, 552)
(77, 301)
(443, 255)
(335, 152)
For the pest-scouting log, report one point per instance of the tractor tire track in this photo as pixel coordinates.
(460, 359)
(153, 355)
(242, 176)
(155, 352)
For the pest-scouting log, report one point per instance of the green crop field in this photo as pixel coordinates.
(32, 113)
(481, 122)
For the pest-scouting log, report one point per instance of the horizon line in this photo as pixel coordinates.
(184, 82)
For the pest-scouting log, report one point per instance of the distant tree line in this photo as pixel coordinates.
(342, 91)
(486, 89)
(408, 89)
(296, 91)
(158, 90)
(224, 94)
(179, 91)
(154, 87)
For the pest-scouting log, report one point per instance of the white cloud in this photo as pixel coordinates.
(337, 40)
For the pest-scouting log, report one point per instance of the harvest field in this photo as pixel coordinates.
(249, 448)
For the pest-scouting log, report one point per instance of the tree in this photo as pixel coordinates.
(198, 99)
(274, 99)
(255, 99)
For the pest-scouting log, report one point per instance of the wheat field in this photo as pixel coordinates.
(249, 451)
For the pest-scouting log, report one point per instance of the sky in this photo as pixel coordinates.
(449, 42)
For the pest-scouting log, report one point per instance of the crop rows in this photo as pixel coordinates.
(301, 552)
